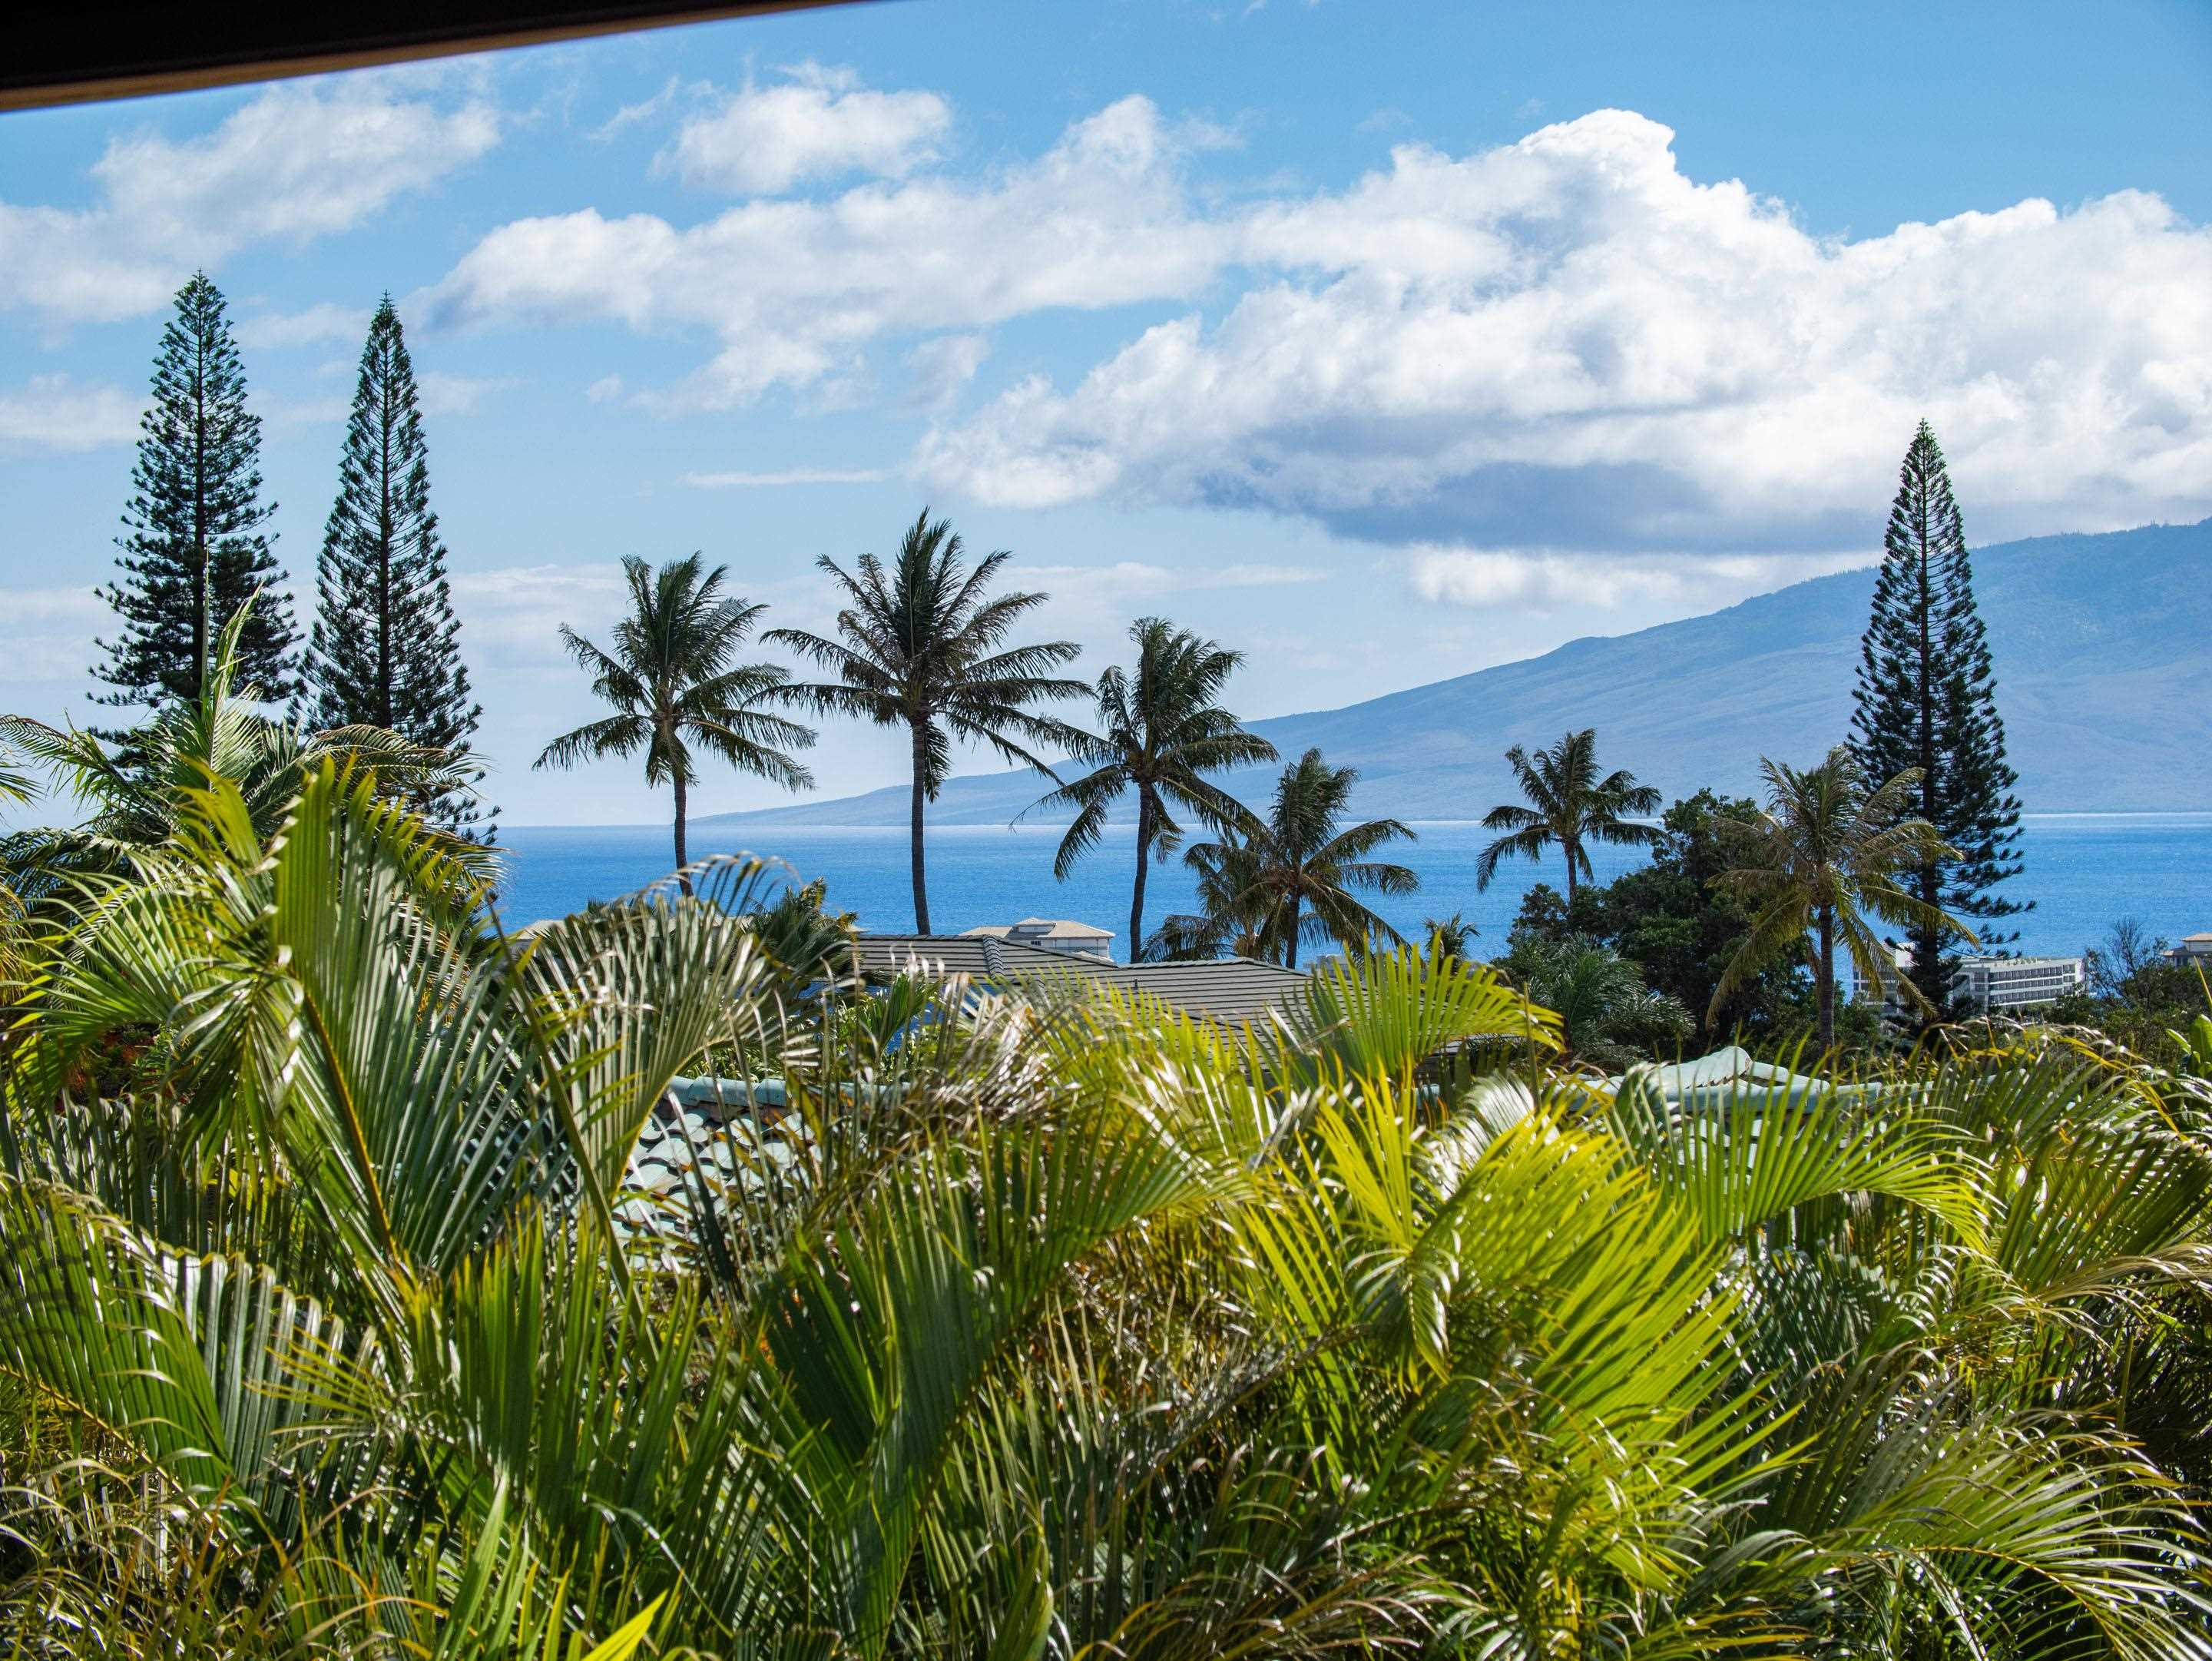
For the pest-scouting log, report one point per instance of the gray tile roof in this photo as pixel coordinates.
(1230, 990)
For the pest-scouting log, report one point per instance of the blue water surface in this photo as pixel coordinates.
(2084, 871)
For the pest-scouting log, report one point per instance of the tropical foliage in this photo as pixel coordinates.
(139, 791)
(1669, 918)
(1055, 1329)
(1161, 730)
(1453, 937)
(1824, 857)
(1233, 911)
(1608, 1018)
(2137, 994)
(1568, 806)
(673, 680)
(1294, 877)
(923, 645)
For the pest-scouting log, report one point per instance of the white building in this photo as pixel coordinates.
(2194, 949)
(1993, 985)
(1078, 940)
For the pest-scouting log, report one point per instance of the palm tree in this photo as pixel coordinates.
(1822, 857)
(1302, 867)
(1568, 805)
(1608, 1018)
(1160, 731)
(1452, 936)
(674, 686)
(137, 790)
(918, 646)
(1232, 919)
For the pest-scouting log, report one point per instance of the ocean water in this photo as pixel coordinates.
(2084, 871)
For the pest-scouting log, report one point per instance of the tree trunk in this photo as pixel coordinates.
(1824, 980)
(920, 883)
(203, 576)
(1291, 942)
(1572, 847)
(681, 860)
(1927, 943)
(1144, 858)
(384, 711)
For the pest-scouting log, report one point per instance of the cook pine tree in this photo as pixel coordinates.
(386, 649)
(1926, 698)
(193, 549)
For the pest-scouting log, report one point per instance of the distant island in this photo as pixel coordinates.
(2104, 663)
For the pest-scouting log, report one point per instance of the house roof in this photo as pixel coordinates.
(1230, 990)
(1042, 929)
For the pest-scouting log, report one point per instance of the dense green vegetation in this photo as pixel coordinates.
(1051, 1329)
(2138, 996)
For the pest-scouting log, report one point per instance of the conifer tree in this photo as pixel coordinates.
(386, 650)
(1927, 699)
(194, 550)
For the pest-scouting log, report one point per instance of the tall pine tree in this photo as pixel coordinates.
(193, 552)
(1927, 699)
(386, 650)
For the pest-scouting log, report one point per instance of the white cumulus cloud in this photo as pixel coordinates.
(794, 291)
(942, 367)
(53, 412)
(303, 160)
(1562, 345)
(47, 638)
(459, 394)
(814, 124)
(1567, 342)
(1649, 585)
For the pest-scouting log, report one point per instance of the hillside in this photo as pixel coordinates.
(2103, 647)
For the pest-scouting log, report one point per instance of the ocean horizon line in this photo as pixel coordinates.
(711, 821)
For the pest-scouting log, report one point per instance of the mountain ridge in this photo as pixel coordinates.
(2102, 644)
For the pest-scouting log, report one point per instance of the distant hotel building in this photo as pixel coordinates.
(1995, 986)
(2195, 950)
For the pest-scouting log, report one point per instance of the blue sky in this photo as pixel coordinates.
(1384, 341)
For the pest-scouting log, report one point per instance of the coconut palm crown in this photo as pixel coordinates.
(1232, 914)
(1160, 731)
(1301, 867)
(675, 689)
(1569, 806)
(136, 789)
(1826, 855)
(921, 645)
